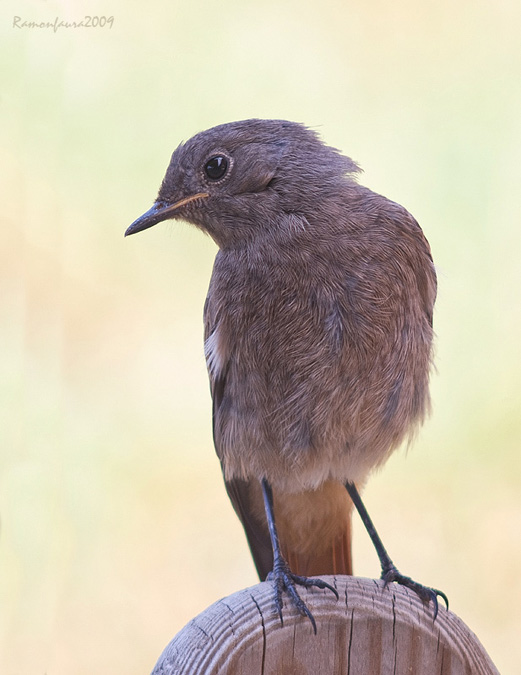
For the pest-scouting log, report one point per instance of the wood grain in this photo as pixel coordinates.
(368, 631)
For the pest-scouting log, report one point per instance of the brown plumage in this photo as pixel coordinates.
(318, 328)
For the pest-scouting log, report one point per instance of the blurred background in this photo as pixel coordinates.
(115, 526)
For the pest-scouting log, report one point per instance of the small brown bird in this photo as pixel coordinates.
(318, 337)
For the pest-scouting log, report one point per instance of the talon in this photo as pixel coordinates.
(312, 581)
(281, 574)
(425, 593)
(284, 580)
(442, 596)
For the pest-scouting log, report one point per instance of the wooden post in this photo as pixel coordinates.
(368, 631)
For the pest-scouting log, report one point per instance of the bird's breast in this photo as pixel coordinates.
(316, 352)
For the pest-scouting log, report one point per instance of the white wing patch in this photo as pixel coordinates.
(213, 355)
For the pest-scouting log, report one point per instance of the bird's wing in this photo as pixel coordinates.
(245, 495)
(425, 274)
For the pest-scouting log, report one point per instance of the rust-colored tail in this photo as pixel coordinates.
(315, 530)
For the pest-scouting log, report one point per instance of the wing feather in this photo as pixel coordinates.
(246, 496)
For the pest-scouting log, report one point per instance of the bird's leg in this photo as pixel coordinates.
(281, 575)
(389, 571)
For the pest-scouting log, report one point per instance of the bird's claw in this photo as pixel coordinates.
(285, 580)
(425, 593)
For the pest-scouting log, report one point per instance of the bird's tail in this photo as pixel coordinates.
(314, 529)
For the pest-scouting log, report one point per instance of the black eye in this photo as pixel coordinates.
(215, 167)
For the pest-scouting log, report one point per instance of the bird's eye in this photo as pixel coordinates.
(216, 167)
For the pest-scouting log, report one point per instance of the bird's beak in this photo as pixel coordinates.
(161, 211)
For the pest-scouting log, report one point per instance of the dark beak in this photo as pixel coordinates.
(161, 211)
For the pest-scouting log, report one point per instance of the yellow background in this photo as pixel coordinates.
(115, 526)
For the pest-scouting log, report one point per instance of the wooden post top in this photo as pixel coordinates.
(368, 631)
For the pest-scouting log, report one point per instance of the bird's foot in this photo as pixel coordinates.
(425, 593)
(284, 580)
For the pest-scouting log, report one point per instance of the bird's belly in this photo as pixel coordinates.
(312, 395)
(305, 437)
(301, 424)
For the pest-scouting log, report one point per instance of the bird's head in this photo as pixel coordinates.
(236, 180)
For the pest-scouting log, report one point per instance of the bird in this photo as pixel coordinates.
(318, 328)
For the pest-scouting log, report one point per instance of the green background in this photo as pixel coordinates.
(115, 526)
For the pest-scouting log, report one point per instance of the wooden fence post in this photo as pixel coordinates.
(368, 631)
